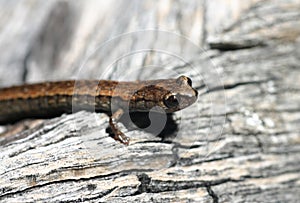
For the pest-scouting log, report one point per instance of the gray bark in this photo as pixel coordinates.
(246, 149)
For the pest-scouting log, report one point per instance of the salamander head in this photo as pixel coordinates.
(181, 95)
(169, 94)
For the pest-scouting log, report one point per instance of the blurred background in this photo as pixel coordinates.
(49, 40)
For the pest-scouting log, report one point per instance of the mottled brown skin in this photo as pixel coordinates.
(49, 99)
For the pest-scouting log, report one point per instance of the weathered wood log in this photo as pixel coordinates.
(251, 153)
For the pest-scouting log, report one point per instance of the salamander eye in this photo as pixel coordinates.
(171, 101)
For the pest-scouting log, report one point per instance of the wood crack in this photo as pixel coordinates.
(212, 194)
(149, 185)
(237, 84)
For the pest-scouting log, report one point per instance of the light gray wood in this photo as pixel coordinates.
(246, 149)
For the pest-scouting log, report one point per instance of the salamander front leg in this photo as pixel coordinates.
(118, 135)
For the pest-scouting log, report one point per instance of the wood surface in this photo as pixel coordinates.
(242, 149)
